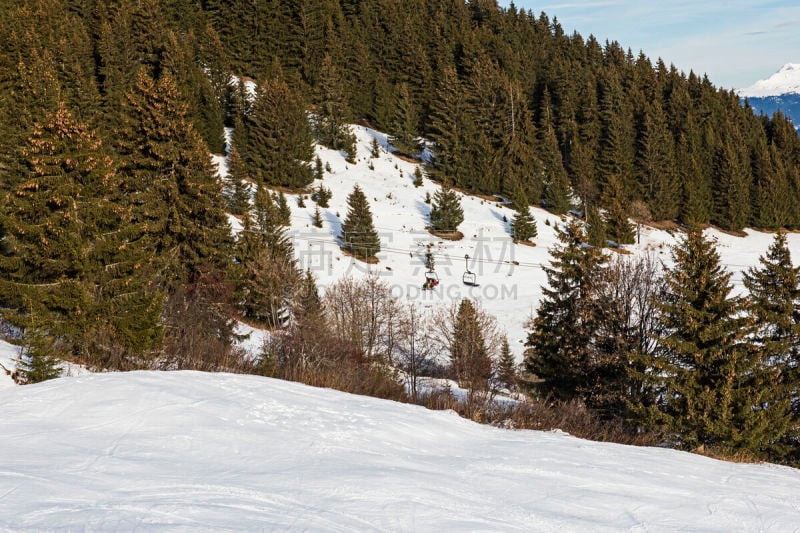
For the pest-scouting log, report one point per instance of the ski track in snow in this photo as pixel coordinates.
(195, 451)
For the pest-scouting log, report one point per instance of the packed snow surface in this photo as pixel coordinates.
(785, 81)
(194, 451)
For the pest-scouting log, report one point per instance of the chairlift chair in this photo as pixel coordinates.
(431, 280)
(469, 278)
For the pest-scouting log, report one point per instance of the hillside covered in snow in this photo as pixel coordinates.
(510, 276)
(192, 451)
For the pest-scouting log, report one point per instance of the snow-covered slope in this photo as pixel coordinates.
(785, 81)
(192, 451)
(510, 275)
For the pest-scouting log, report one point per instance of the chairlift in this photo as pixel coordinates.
(431, 277)
(469, 278)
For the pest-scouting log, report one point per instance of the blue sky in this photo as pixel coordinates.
(735, 42)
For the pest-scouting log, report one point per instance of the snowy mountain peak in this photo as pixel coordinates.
(785, 81)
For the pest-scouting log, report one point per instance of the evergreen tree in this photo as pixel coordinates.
(280, 144)
(507, 366)
(37, 361)
(523, 225)
(284, 211)
(446, 212)
(560, 342)
(405, 122)
(596, 228)
(269, 273)
(358, 232)
(774, 296)
(469, 356)
(732, 195)
(71, 244)
(418, 177)
(618, 227)
(556, 182)
(238, 192)
(316, 220)
(333, 113)
(176, 196)
(319, 172)
(702, 362)
(654, 165)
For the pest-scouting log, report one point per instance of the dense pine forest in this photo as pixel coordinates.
(115, 248)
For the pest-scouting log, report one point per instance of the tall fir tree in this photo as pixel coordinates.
(238, 191)
(177, 197)
(654, 165)
(561, 334)
(773, 302)
(280, 144)
(703, 356)
(358, 232)
(332, 110)
(618, 227)
(469, 356)
(72, 250)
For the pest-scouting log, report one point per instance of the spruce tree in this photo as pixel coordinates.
(316, 219)
(177, 198)
(618, 227)
(72, 246)
(774, 297)
(596, 228)
(702, 357)
(332, 112)
(560, 341)
(556, 181)
(280, 143)
(654, 165)
(469, 356)
(405, 122)
(37, 360)
(358, 232)
(238, 193)
(446, 212)
(268, 269)
(523, 225)
(507, 366)
(284, 211)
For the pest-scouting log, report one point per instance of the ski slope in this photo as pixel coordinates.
(189, 451)
(510, 275)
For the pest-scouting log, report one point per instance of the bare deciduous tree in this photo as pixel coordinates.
(415, 344)
(365, 313)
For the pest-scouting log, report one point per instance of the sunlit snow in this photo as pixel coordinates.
(194, 451)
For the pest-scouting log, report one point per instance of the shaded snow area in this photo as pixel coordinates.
(194, 451)
(785, 81)
(510, 275)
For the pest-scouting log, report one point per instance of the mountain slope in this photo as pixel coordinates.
(510, 275)
(195, 451)
(781, 91)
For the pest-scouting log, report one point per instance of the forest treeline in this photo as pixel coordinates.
(509, 99)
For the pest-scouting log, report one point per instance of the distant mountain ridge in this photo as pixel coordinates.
(781, 91)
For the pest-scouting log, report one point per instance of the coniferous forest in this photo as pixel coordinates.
(115, 248)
